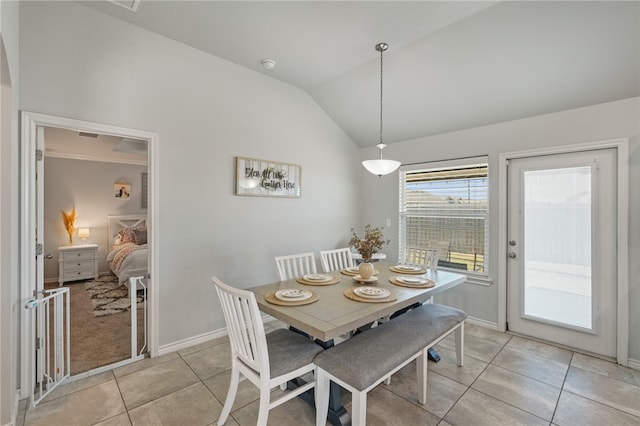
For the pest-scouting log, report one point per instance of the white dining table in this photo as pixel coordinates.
(333, 314)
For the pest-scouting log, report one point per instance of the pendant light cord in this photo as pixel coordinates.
(381, 74)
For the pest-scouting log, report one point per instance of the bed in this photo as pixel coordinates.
(128, 255)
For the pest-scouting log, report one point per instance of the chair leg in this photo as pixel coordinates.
(459, 335)
(263, 411)
(231, 396)
(421, 375)
(322, 397)
(359, 408)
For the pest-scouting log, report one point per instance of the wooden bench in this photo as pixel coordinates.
(367, 359)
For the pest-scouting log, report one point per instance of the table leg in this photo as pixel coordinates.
(337, 415)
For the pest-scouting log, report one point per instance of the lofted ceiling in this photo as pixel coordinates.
(451, 65)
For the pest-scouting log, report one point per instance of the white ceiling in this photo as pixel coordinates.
(451, 64)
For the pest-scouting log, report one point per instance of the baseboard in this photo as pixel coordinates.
(191, 341)
(482, 323)
(634, 363)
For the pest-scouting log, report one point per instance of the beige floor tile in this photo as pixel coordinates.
(442, 392)
(531, 365)
(403, 413)
(193, 405)
(77, 385)
(443, 423)
(541, 349)
(219, 385)
(606, 368)
(146, 385)
(145, 363)
(119, 420)
(476, 347)
(293, 412)
(448, 367)
(210, 361)
(85, 407)
(611, 392)
(196, 348)
(576, 410)
(520, 391)
(486, 333)
(478, 409)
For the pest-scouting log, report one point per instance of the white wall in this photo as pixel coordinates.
(595, 123)
(87, 185)
(10, 306)
(78, 63)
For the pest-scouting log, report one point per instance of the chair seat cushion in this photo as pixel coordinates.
(289, 351)
(367, 357)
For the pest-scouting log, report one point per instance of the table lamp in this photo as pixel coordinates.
(84, 233)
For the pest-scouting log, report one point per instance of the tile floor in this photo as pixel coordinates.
(506, 380)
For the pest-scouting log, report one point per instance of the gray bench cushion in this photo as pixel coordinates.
(289, 351)
(369, 356)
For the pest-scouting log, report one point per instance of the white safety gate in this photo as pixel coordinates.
(50, 320)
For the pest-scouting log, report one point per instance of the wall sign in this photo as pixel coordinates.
(263, 178)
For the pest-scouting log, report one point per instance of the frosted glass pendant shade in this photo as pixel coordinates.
(381, 167)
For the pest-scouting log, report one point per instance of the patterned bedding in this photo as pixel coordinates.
(126, 257)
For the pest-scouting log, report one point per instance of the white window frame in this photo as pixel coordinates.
(473, 277)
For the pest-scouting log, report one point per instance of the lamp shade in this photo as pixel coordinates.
(381, 167)
(84, 233)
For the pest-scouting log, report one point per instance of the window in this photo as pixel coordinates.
(445, 206)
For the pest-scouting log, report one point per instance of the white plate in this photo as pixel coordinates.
(292, 294)
(372, 292)
(408, 268)
(371, 279)
(351, 269)
(411, 280)
(319, 278)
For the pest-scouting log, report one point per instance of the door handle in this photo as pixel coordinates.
(48, 256)
(512, 255)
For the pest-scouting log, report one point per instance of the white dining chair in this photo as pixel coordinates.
(295, 265)
(335, 260)
(266, 360)
(419, 256)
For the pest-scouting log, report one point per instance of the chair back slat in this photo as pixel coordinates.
(419, 256)
(334, 260)
(295, 265)
(244, 324)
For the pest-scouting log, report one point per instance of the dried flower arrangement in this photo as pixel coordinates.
(69, 220)
(372, 242)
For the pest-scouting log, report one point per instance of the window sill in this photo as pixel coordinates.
(471, 277)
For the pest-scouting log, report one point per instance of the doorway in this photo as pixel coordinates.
(563, 250)
(32, 264)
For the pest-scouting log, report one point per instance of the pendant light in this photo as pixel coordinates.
(381, 167)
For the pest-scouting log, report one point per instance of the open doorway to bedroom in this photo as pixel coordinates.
(102, 179)
(81, 181)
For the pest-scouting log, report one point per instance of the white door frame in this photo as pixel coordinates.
(622, 149)
(29, 123)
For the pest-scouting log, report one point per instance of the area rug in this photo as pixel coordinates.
(108, 297)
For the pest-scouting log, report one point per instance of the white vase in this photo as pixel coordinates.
(366, 270)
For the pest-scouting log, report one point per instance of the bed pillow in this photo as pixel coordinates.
(127, 235)
(139, 235)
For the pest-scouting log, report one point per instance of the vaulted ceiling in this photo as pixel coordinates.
(450, 65)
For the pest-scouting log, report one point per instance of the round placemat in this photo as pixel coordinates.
(428, 284)
(349, 294)
(333, 280)
(353, 274)
(271, 298)
(404, 271)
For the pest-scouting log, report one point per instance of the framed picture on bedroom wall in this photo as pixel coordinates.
(122, 190)
(264, 178)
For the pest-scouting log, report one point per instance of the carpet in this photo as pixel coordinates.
(108, 297)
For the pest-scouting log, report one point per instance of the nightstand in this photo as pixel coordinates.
(77, 263)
